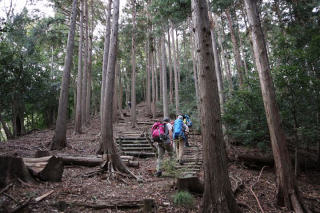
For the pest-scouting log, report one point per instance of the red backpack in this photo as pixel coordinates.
(158, 132)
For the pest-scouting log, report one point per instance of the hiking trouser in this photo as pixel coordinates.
(179, 147)
(162, 148)
(186, 143)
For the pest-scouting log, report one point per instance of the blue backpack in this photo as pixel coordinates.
(178, 129)
(188, 121)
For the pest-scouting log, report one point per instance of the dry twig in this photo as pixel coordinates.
(254, 194)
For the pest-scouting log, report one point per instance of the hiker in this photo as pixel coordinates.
(188, 122)
(180, 130)
(129, 105)
(162, 134)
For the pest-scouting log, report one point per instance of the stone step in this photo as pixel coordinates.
(140, 154)
(145, 145)
(137, 149)
(133, 142)
(131, 138)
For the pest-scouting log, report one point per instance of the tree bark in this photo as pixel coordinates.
(59, 138)
(133, 62)
(160, 70)
(85, 68)
(156, 65)
(218, 196)
(287, 191)
(164, 78)
(176, 82)
(170, 69)
(115, 94)
(88, 99)
(178, 56)
(105, 57)
(153, 107)
(235, 48)
(5, 128)
(194, 66)
(148, 69)
(108, 147)
(79, 109)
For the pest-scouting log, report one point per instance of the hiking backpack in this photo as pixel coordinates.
(159, 132)
(188, 121)
(178, 129)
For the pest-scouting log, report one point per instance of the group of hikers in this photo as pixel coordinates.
(170, 137)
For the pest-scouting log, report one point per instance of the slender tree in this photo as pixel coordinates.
(153, 78)
(235, 47)
(170, 69)
(175, 67)
(85, 67)
(133, 62)
(105, 56)
(218, 196)
(287, 190)
(164, 78)
(79, 109)
(88, 100)
(59, 138)
(109, 150)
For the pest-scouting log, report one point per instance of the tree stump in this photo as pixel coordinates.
(190, 183)
(46, 168)
(148, 205)
(11, 169)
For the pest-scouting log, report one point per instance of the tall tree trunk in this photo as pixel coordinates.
(85, 68)
(164, 78)
(194, 67)
(287, 191)
(156, 63)
(178, 56)
(5, 128)
(88, 100)
(148, 69)
(153, 107)
(109, 150)
(79, 109)
(218, 196)
(235, 48)
(105, 56)
(170, 69)
(175, 65)
(160, 70)
(115, 94)
(59, 138)
(133, 61)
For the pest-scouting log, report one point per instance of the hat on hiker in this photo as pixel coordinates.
(180, 117)
(166, 119)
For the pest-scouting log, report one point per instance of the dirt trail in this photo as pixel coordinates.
(78, 186)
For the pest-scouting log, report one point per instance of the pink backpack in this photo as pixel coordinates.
(158, 132)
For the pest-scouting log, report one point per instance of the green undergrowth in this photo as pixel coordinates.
(184, 199)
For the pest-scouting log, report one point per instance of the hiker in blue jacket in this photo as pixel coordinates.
(180, 130)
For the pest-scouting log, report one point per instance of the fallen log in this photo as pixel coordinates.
(12, 169)
(62, 205)
(48, 168)
(256, 161)
(93, 161)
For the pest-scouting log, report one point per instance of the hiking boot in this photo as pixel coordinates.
(181, 162)
(158, 174)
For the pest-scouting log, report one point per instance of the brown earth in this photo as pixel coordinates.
(80, 186)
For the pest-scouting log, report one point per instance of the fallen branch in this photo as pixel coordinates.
(104, 205)
(38, 199)
(254, 194)
(21, 206)
(5, 188)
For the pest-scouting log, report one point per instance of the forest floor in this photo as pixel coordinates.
(78, 190)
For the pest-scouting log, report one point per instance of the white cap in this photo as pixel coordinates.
(180, 117)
